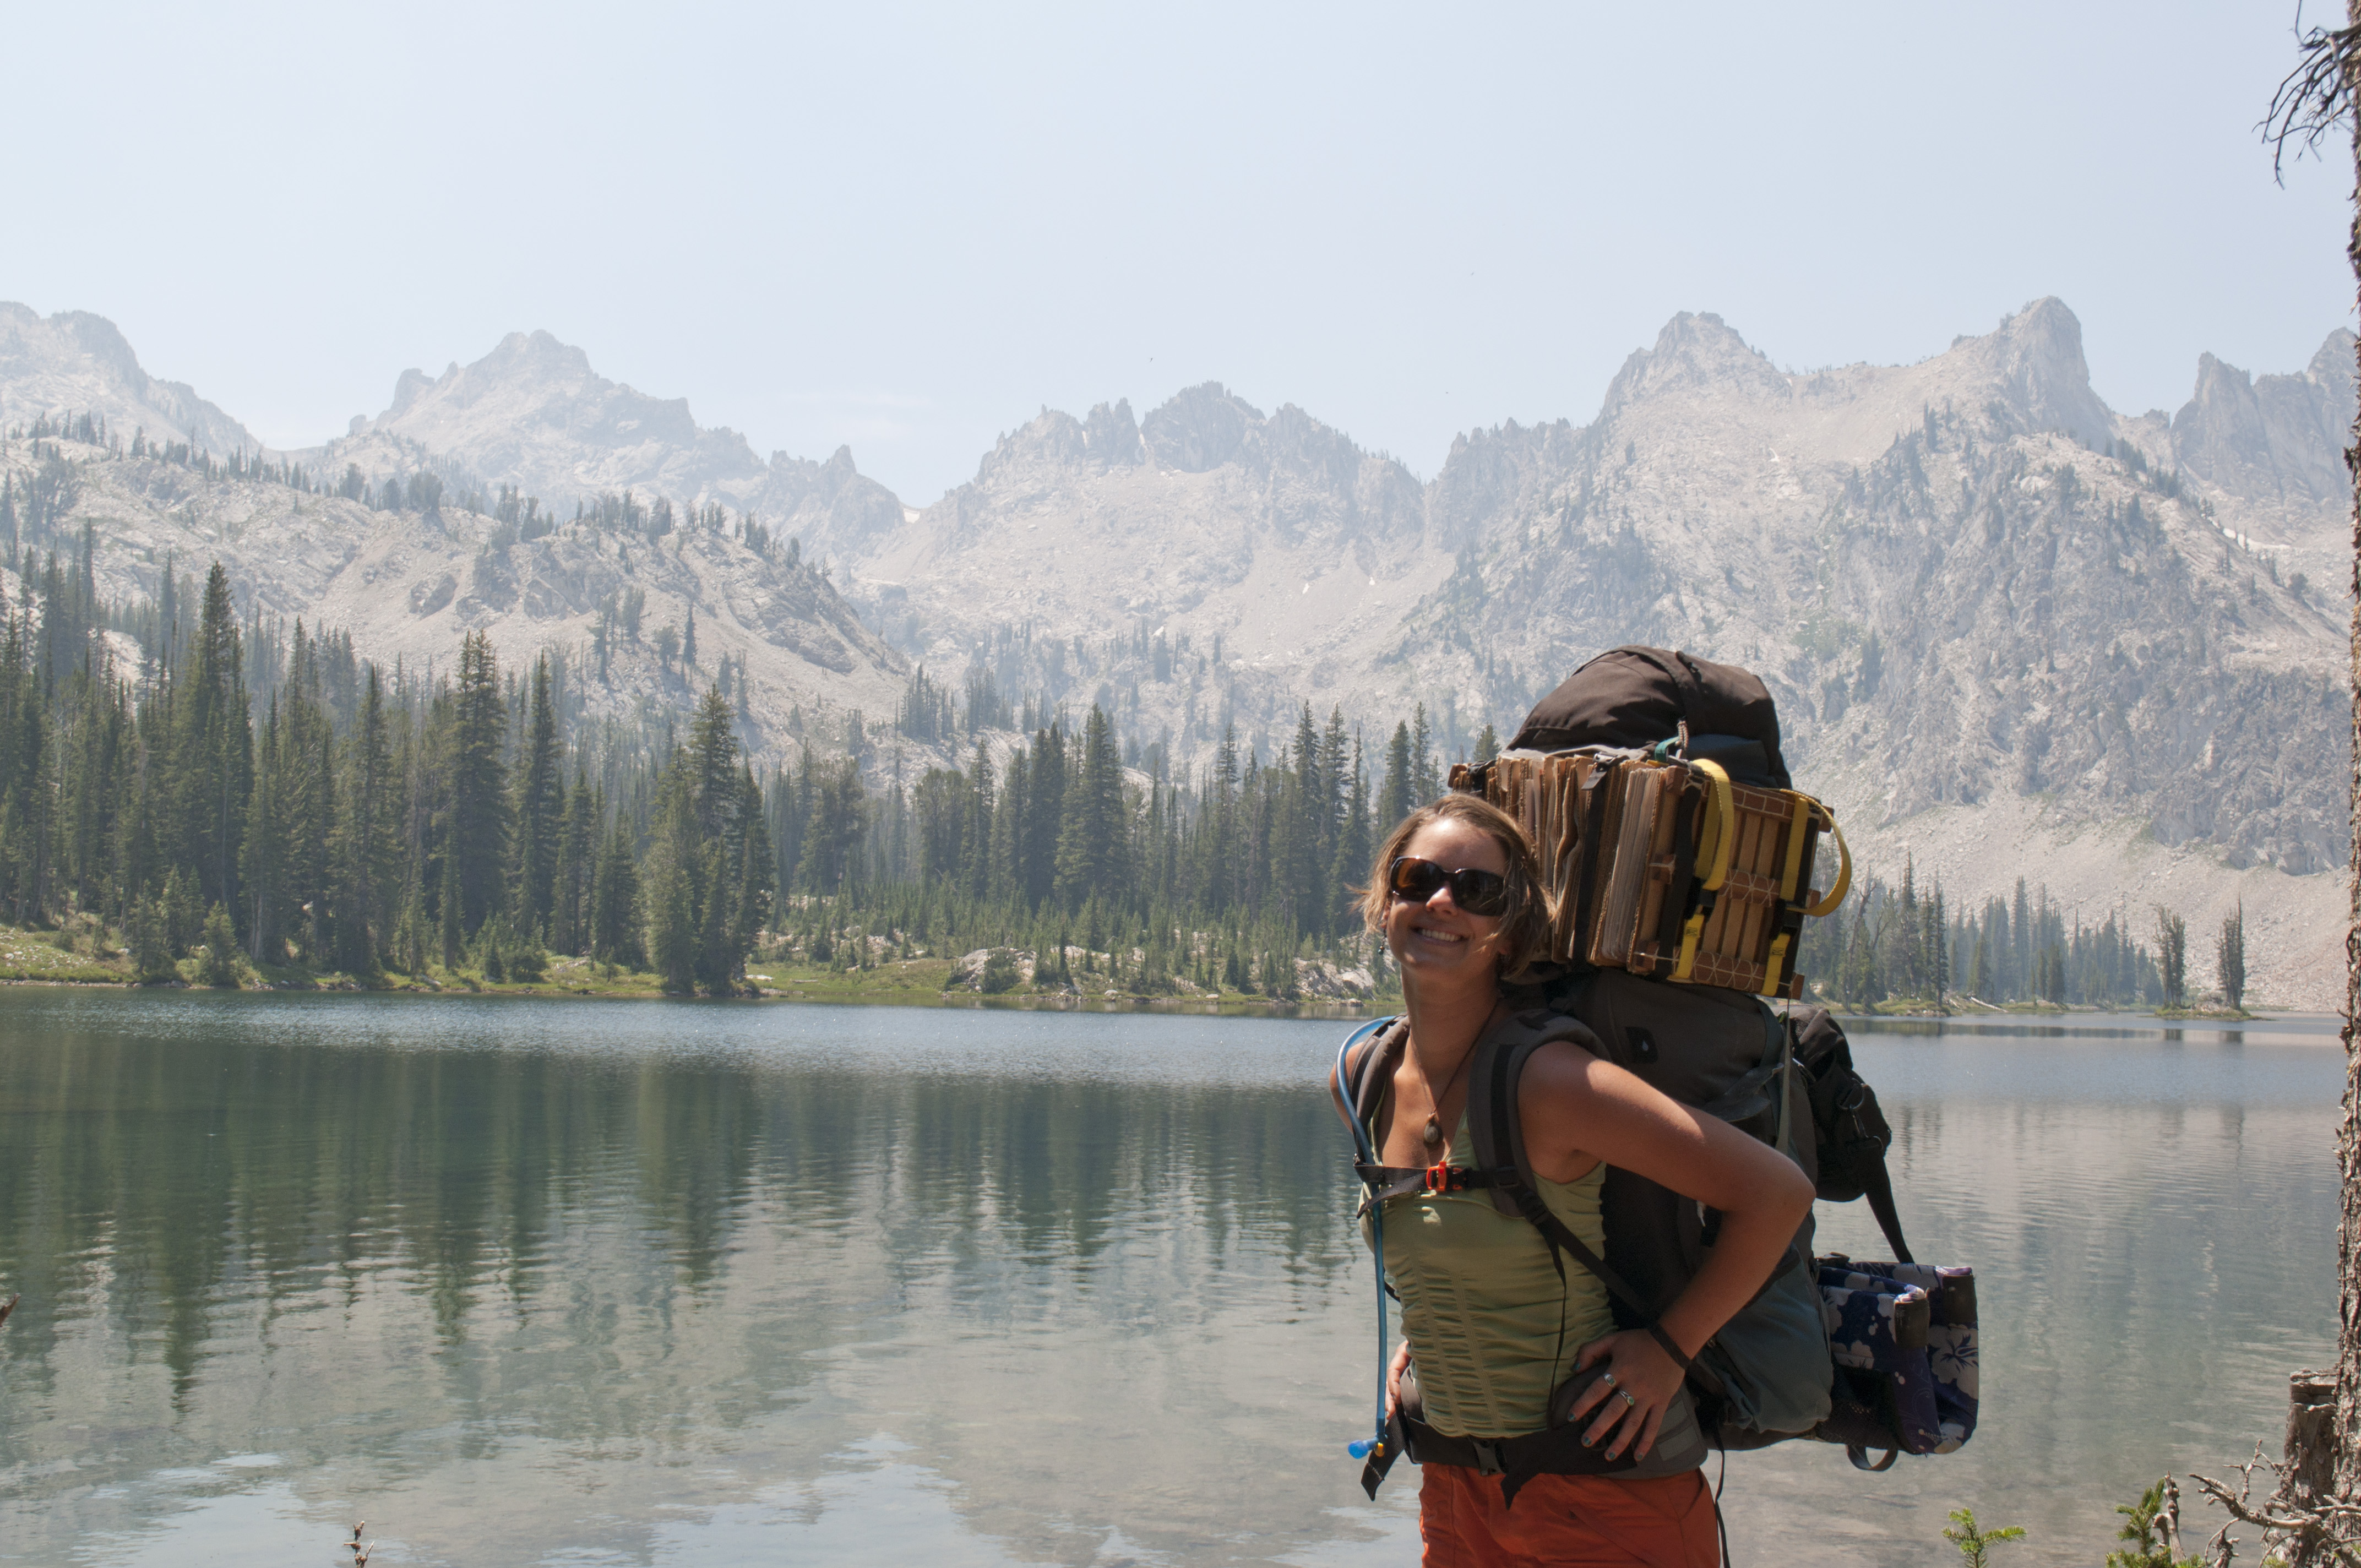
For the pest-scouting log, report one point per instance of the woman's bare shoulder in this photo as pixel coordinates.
(1572, 1067)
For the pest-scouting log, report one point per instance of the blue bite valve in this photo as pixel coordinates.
(1361, 1450)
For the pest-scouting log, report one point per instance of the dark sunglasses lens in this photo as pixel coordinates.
(1418, 880)
(1479, 892)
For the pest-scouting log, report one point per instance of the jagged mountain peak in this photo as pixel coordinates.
(2272, 439)
(1696, 353)
(2032, 364)
(1199, 428)
(479, 413)
(77, 362)
(2332, 366)
(534, 413)
(1107, 438)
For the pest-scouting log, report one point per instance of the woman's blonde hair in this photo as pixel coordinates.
(1524, 925)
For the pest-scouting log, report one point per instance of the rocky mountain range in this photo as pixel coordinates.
(2011, 631)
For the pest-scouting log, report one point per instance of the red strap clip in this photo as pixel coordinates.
(1438, 1178)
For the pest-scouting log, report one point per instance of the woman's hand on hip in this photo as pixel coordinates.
(1394, 1370)
(1625, 1408)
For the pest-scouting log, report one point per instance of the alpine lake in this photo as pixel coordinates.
(620, 1283)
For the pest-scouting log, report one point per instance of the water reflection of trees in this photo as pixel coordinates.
(142, 1181)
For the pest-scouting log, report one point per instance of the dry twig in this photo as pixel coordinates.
(2317, 95)
(2330, 1526)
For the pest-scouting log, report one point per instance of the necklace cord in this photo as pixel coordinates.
(1434, 1117)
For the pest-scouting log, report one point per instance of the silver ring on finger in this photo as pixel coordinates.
(1627, 1397)
(1607, 1381)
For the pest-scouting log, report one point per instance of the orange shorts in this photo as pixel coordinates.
(1590, 1521)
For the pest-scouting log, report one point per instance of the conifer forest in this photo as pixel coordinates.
(256, 801)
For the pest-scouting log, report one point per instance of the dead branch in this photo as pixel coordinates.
(2317, 95)
(2329, 1525)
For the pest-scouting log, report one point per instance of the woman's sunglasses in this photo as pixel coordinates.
(1414, 881)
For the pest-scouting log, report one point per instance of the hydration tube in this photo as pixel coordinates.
(1373, 1445)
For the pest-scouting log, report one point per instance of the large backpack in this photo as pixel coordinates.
(1906, 1332)
(1637, 697)
(1766, 1375)
(1902, 1377)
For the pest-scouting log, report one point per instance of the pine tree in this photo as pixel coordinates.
(570, 888)
(2020, 926)
(713, 762)
(144, 937)
(263, 847)
(367, 850)
(672, 867)
(448, 902)
(221, 950)
(2172, 955)
(540, 803)
(214, 752)
(477, 836)
(1423, 783)
(1038, 855)
(1354, 845)
(1395, 796)
(2230, 959)
(757, 874)
(615, 904)
(1090, 845)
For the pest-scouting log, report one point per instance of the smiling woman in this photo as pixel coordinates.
(1512, 1365)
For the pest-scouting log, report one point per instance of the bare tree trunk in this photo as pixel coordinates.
(2344, 1432)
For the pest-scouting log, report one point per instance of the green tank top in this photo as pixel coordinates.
(1480, 1303)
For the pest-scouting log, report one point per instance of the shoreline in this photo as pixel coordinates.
(1342, 1008)
(2065, 1022)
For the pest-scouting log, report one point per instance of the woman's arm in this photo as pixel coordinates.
(1577, 1111)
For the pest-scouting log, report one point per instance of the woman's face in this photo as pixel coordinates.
(1438, 939)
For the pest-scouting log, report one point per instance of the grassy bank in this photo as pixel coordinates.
(87, 955)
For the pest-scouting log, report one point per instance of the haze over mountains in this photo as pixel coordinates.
(2010, 630)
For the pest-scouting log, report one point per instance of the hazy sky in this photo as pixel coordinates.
(907, 228)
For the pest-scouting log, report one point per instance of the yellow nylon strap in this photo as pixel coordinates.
(1794, 870)
(1722, 824)
(1724, 821)
(1789, 876)
(1844, 871)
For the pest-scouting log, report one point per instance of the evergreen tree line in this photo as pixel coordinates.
(445, 822)
(1888, 943)
(1223, 880)
(311, 808)
(1020, 676)
(340, 816)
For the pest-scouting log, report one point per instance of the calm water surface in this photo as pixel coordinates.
(611, 1283)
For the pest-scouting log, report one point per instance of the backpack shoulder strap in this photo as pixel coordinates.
(1492, 1120)
(1368, 1085)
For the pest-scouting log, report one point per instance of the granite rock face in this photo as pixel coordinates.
(533, 414)
(74, 362)
(2274, 436)
(409, 584)
(2011, 632)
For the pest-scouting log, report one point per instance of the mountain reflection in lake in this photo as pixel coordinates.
(642, 1283)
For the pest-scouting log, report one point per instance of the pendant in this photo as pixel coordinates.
(1434, 1134)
